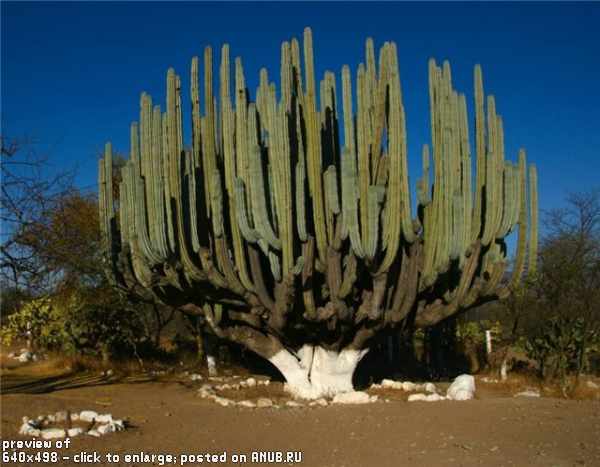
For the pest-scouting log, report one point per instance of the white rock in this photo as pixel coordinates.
(373, 398)
(75, 417)
(388, 383)
(416, 397)
(248, 404)
(486, 379)
(429, 387)
(462, 388)
(35, 432)
(106, 428)
(405, 385)
(61, 416)
(425, 397)
(94, 433)
(322, 402)
(293, 404)
(29, 427)
(250, 382)
(52, 433)
(104, 418)
(408, 386)
(195, 377)
(87, 415)
(222, 401)
(206, 391)
(119, 425)
(354, 397)
(72, 432)
(264, 402)
(528, 393)
(25, 357)
(592, 385)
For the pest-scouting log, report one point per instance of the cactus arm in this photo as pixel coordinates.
(300, 201)
(423, 190)
(519, 265)
(281, 189)
(466, 165)
(313, 149)
(533, 210)
(349, 201)
(407, 227)
(492, 204)
(308, 253)
(174, 154)
(228, 136)
(332, 205)
(480, 153)
(138, 202)
(257, 195)
(363, 158)
(375, 196)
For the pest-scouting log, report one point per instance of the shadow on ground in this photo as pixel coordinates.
(34, 384)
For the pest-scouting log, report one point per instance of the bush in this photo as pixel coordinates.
(77, 325)
(39, 321)
(556, 344)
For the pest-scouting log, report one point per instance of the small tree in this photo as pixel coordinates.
(53, 270)
(566, 320)
(27, 192)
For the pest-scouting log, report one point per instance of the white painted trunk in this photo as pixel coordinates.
(315, 372)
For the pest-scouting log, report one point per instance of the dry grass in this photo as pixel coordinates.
(584, 392)
(517, 382)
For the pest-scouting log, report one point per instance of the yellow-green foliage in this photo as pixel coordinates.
(43, 318)
(474, 331)
(74, 323)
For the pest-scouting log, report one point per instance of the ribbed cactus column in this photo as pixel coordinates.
(298, 243)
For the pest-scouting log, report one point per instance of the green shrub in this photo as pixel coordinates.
(76, 324)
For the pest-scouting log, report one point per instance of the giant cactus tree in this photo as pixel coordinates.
(287, 221)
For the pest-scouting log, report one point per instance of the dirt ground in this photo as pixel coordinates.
(168, 417)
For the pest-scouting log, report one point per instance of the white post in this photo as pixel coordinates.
(488, 342)
(504, 369)
(212, 365)
(29, 337)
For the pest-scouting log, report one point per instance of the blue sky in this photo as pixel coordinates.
(72, 72)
